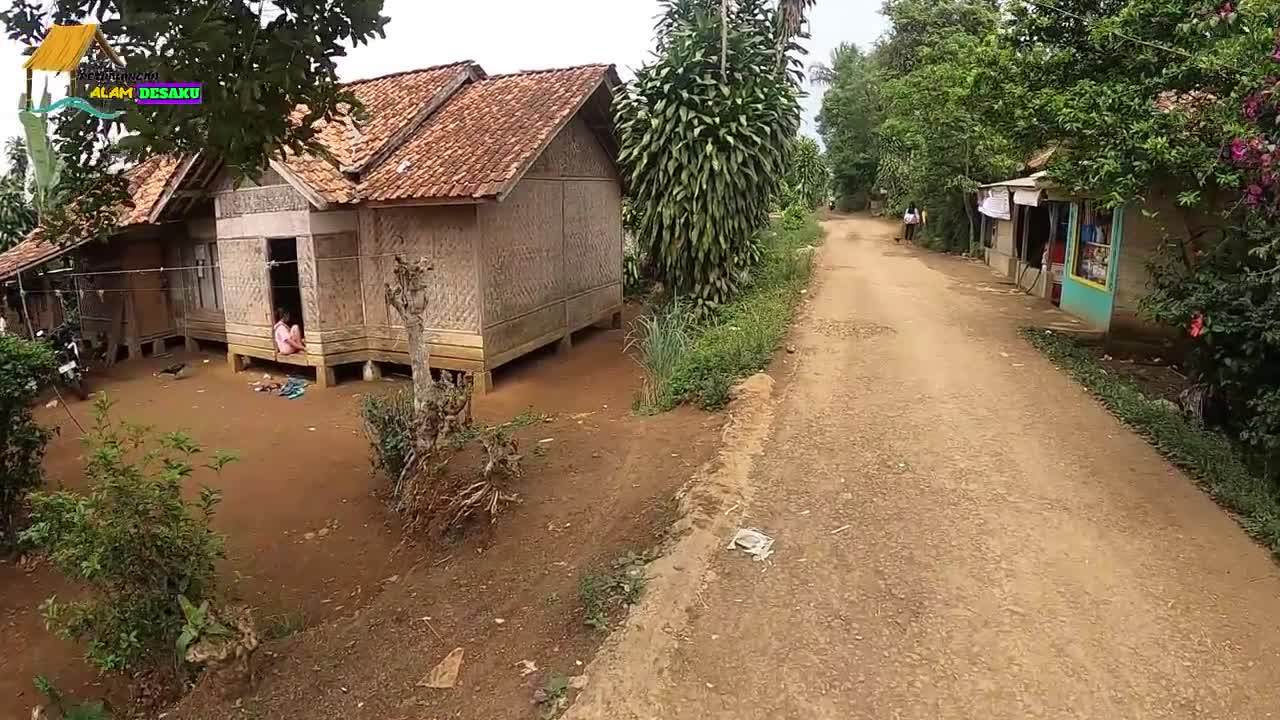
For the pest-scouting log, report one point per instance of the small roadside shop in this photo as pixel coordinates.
(1025, 229)
(1088, 259)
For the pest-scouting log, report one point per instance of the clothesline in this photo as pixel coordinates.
(208, 266)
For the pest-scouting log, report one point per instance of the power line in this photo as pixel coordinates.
(1130, 38)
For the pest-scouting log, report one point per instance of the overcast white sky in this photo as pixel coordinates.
(509, 35)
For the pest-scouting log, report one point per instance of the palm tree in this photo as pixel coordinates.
(826, 73)
(16, 159)
(791, 14)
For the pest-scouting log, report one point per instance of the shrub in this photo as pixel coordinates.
(794, 217)
(388, 423)
(634, 281)
(24, 367)
(1225, 299)
(133, 539)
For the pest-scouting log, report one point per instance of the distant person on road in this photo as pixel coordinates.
(288, 335)
(910, 220)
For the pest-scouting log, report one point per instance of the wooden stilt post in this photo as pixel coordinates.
(326, 377)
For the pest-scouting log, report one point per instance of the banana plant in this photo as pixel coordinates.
(46, 164)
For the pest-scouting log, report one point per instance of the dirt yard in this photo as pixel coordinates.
(378, 616)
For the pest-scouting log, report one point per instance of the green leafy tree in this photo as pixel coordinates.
(257, 61)
(705, 134)
(949, 112)
(848, 121)
(808, 178)
(25, 365)
(17, 214)
(135, 541)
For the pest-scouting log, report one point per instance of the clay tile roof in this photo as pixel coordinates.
(391, 103)
(478, 144)
(147, 182)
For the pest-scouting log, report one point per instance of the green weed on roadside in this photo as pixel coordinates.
(606, 594)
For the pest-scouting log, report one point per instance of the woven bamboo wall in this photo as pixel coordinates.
(574, 153)
(246, 294)
(339, 300)
(523, 250)
(552, 251)
(446, 235)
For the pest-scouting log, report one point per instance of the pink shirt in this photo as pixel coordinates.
(282, 340)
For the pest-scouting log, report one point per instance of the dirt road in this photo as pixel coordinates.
(961, 533)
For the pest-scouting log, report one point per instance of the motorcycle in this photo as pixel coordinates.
(65, 342)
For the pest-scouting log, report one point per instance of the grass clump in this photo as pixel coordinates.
(1212, 460)
(687, 361)
(285, 624)
(611, 592)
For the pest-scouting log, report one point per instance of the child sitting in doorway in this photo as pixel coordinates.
(288, 335)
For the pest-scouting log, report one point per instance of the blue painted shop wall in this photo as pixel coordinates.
(1084, 299)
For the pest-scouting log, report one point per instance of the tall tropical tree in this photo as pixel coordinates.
(17, 214)
(826, 74)
(849, 120)
(706, 134)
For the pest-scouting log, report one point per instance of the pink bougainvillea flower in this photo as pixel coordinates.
(1275, 54)
(1252, 201)
(1255, 190)
(1197, 325)
(1238, 150)
(1252, 107)
(1226, 9)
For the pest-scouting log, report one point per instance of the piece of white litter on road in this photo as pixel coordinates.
(206, 362)
(753, 542)
(444, 675)
(499, 621)
(543, 441)
(527, 667)
(52, 403)
(840, 529)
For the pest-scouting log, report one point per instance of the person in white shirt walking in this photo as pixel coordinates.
(911, 220)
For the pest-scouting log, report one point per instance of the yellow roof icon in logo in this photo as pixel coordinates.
(64, 47)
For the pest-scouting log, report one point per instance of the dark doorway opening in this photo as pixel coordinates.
(1039, 225)
(286, 290)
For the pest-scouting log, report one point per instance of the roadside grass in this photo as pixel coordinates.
(1211, 459)
(688, 361)
(607, 594)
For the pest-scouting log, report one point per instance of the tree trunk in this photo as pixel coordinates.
(408, 295)
(973, 235)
